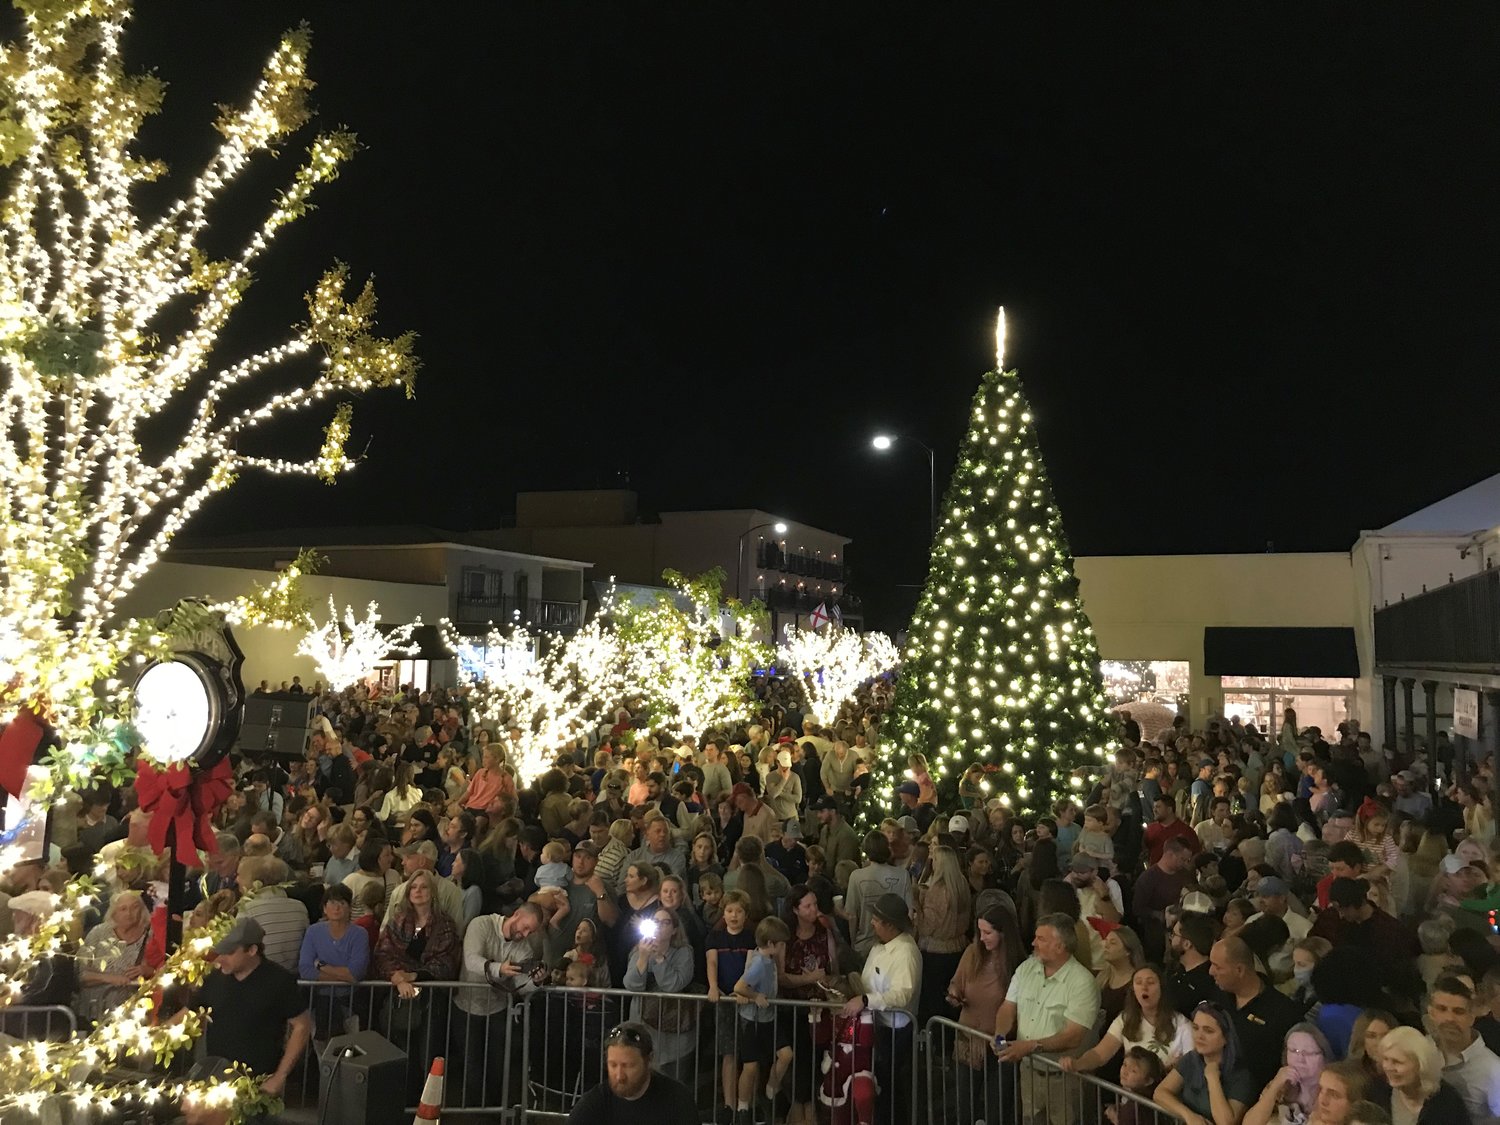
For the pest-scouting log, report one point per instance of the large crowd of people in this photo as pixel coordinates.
(1235, 925)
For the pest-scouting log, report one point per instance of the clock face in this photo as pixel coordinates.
(174, 710)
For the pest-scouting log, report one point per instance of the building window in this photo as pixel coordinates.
(1322, 702)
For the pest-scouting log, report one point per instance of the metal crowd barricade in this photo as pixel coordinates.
(968, 1084)
(482, 1052)
(38, 1021)
(829, 1060)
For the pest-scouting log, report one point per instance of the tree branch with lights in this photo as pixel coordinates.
(117, 419)
(549, 693)
(692, 654)
(833, 664)
(347, 652)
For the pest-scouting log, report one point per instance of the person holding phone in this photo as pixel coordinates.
(662, 961)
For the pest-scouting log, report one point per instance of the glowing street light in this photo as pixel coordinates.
(779, 527)
(883, 443)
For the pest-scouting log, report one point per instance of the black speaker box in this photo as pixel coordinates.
(276, 725)
(362, 1081)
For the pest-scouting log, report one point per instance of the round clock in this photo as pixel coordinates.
(180, 707)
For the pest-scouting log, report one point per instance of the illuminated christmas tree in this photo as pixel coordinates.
(1000, 666)
(118, 419)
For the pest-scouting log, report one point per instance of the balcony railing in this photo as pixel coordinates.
(770, 556)
(504, 610)
(1456, 624)
(805, 601)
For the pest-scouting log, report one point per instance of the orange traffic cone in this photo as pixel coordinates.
(430, 1108)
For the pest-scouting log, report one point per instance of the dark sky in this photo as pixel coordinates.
(1248, 253)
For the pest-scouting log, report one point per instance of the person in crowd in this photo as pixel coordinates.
(729, 945)
(1050, 1006)
(334, 951)
(1262, 1016)
(468, 870)
(112, 959)
(283, 919)
(1469, 1066)
(674, 897)
(632, 1089)
(1210, 1085)
(343, 858)
(641, 897)
(421, 857)
(835, 837)
(783, 789)
(1192, 982)
(809, 965)
(868, 885)
(892, 982)
(755, 817)
(505, 953)
(1292, 1095)
(1158, 888)
(977, 990)
(404, 795)
(1414, 1090)
(759, 1052)
(657, 849)
(662, 961)
(258, 1016)
(1148, 1021)
(1120, 956)
(419, 941)
(787, 854)
(944, 908)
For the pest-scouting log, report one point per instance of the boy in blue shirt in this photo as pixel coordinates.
(753, 992)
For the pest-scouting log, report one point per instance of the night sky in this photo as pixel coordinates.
(1248, 255)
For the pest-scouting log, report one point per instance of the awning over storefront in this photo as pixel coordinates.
(1235, 651)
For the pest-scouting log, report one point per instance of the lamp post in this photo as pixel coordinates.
(883, 442)
(739, 566)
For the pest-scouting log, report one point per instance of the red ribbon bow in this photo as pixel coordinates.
(1370, 807)
(178, 796)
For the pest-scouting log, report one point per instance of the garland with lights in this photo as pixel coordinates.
(117, 423)
(1000, 668)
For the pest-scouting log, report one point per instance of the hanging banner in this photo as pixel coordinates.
(1466, 712)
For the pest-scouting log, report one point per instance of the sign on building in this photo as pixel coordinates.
(1466, 712)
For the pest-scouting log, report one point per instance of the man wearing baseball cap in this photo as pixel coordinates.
(909, 794)
(588, 898)
(257, 1015)
(1271, 897)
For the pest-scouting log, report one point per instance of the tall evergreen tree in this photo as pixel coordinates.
(1001, 667)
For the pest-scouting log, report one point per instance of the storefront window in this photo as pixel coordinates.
(1319, 702)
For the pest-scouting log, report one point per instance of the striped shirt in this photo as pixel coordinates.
(285, 922)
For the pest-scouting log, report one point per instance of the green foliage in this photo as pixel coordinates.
(1000, 666)
(692, 674)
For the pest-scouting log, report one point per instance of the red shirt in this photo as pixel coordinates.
(1157, 835)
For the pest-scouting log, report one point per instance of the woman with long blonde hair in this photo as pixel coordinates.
(944, 909)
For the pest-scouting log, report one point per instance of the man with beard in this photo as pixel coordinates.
(632, 1091)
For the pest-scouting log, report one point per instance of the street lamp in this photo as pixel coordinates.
(883, 443)
(739, 566)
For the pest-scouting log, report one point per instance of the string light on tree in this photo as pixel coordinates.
(550, 693)
(117, 423)
(347, 653)
(692, 655)
(1000, 666)
(832, 664)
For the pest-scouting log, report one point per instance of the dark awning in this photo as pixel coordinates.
(1231, 651)
(427, 640)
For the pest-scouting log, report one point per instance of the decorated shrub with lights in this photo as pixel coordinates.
(1000, 666)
